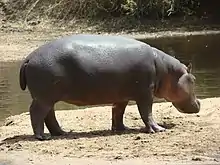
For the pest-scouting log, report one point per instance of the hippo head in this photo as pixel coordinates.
(179, 89)
(186, 101)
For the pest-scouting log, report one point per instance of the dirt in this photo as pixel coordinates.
(189, 139)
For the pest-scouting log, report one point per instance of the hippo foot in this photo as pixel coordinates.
(119, 128)
(42, 137)
(152, 128)
(59, 133)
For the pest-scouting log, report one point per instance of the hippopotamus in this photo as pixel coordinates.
(90, 69)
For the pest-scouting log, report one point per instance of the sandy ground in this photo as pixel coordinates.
(189, 139)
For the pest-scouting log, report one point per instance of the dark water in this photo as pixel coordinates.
(202, 51)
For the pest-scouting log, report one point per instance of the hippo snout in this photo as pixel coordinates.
(188, 107)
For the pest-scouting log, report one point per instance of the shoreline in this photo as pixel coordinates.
(34, 39)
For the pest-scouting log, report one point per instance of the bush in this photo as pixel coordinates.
(97, 9)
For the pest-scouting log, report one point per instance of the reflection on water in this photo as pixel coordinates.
(202, 51)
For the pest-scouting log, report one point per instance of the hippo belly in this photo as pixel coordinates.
(99, 88)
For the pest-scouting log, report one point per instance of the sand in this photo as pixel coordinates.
(189, 138)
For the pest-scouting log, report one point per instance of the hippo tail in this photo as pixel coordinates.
(22, 77)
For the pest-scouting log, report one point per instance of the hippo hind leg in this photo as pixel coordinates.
(52, 124)
(118, 110)
(38, 112)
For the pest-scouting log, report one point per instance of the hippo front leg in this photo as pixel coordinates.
(145, 109)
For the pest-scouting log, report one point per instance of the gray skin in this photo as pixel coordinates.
(97, 69)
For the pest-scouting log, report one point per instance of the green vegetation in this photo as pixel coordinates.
(98, 9)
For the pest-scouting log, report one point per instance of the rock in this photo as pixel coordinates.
(137, 138)
(196, 159)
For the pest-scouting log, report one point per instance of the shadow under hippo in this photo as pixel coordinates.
(78, 135)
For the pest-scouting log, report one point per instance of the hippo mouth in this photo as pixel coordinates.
(188, 107)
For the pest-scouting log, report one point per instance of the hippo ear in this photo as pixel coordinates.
(189, 67)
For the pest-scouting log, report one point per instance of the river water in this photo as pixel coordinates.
(202, 51)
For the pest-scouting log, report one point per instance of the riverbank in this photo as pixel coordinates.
(190, 139)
